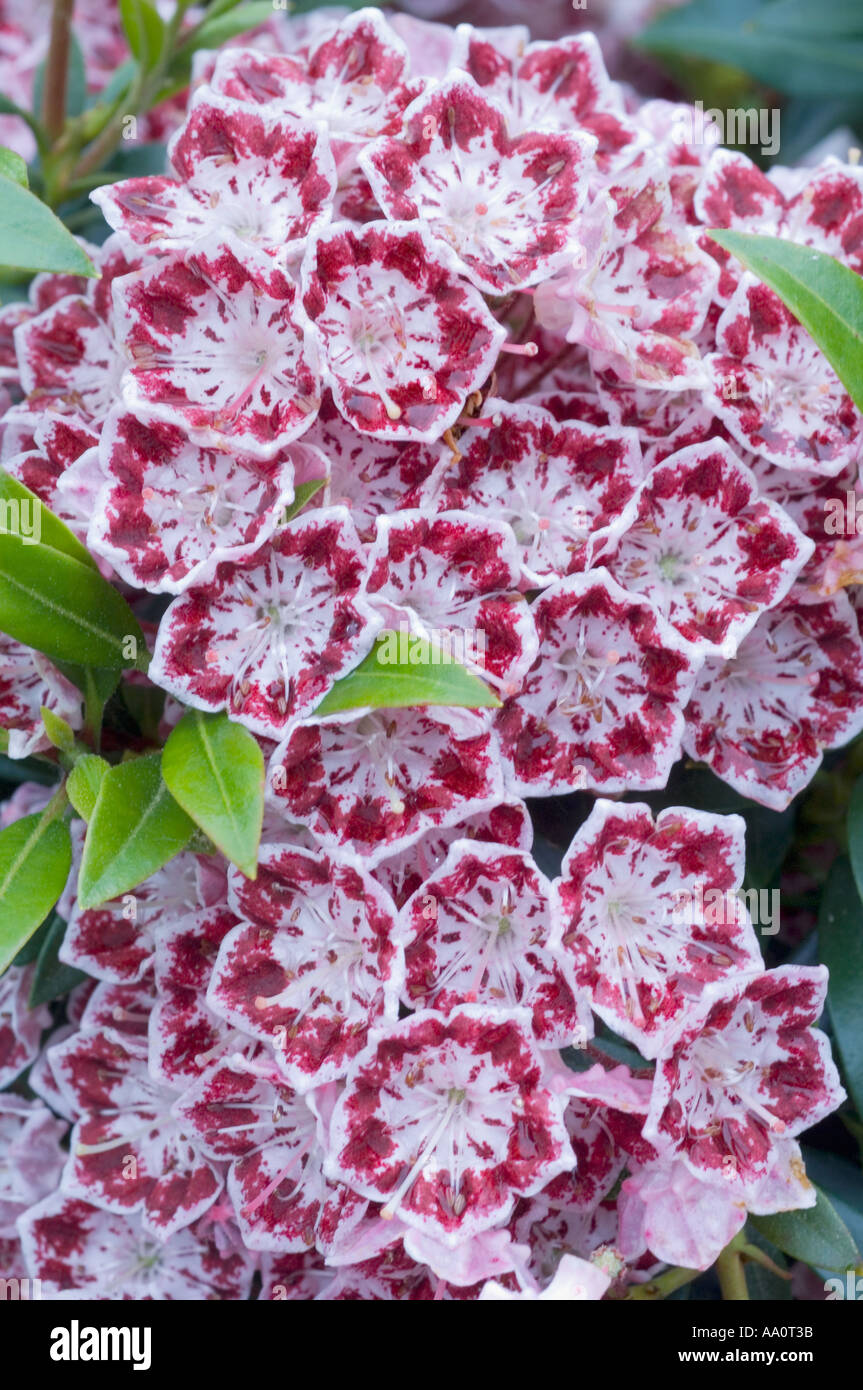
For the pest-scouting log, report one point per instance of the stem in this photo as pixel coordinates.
(57, 69)
(752, 1254)
(665, 1284)
(732, 1279)
(55, 808)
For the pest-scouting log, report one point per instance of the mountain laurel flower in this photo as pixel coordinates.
(410, 375)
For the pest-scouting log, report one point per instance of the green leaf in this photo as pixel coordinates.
(29, 953)
(32, 238)
(59, 732)
(215, 770)
(817, 1235)
(792, 45)
(136, 827)
(144, 29)
(215, 32)
(23, 514)
(52, 978)
(855, 834)
(423, 679)
(302, 495)
(840, 946)
(63, 608)
(825, 296)
(843, 1183)
(13, 167)
(84, 783)
(35, 859)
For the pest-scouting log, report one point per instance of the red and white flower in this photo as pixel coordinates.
(647, 914)
(763, 719)
(453, 579)
(748, 1070)
(82, 1252)
(314, 963)
(550, 86)
(478, 931)
(127, 1153)
(251, 179)
(30, 683)
(705, 549)
(211, 350)
(774, 389)
(353, 76)
(447, 1122)
(602, 706)
(562, 488)
(266, 637)
(502, 204)
(169, 512)
(374, 781)
(275, 1142)
(403, 341)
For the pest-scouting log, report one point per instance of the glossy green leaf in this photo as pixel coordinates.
(29, 953)
(136, 826)
(84, 782)
(65, 609)
(35, 859)
(427, 679)
(23, 514)
(52, 979)
(843, 1183)
(303, 494)
(13, 167)
(215, 770)
(32, 238)
(240, 20)
(840, 946)
(792, 45)
(825, 296)
(817, 1235)
(144, 29)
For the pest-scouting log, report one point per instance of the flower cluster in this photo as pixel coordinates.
(423, 329)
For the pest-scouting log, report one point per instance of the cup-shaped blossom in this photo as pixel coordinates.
(403, 340)
(353, 76)
(314, 963)
(478, 930)
(647, 914)
(374, 781)
(561, 487)
(265, 638)
(215, 352)
(249, 178)
(602, 706)
(446, 1121)
(706, 550)
(749, 1070)
(502, 204)
(763, 719)
(127, 1153)
(168, 512)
